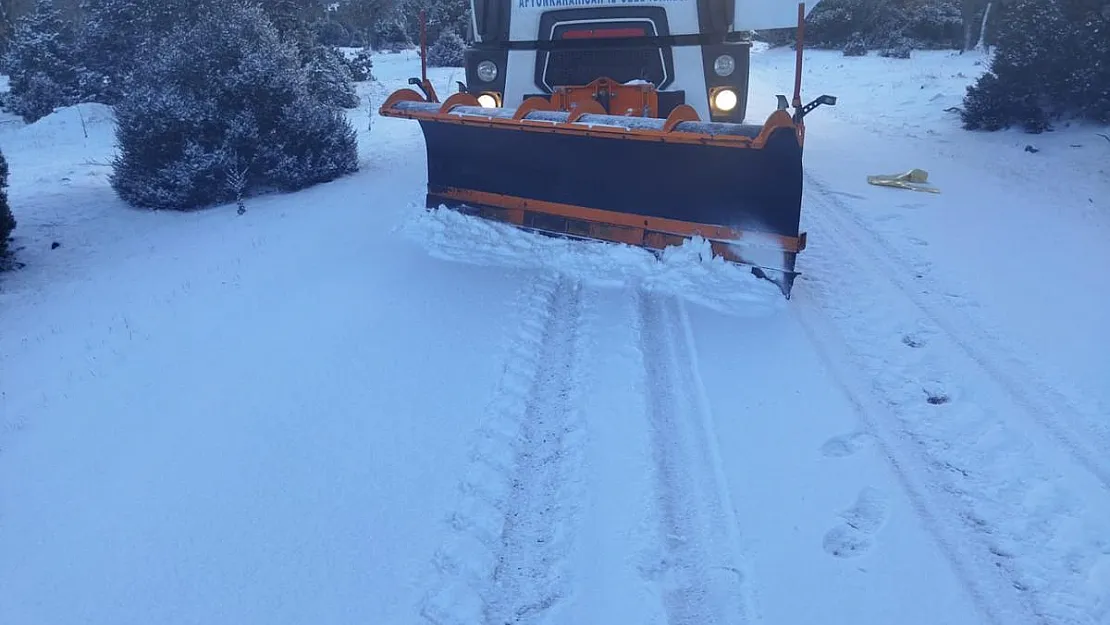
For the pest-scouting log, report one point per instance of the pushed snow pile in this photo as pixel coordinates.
(689, 272)
(68, 118)
(70, 125)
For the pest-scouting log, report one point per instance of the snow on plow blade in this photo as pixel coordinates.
(642, 181)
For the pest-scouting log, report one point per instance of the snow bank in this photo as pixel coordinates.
(68, 125)
(65, 118)
(689, 272)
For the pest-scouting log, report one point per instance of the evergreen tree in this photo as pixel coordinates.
(447, 51)
(1089, 83)
(116, 33)
(391, 34)
(332, 33)
(329, 78)
(7, 220)
(109, 45)
(361, 67)
(885, 24)
(222, 108)
(1029, 75)
(41, 63)
(362, 17)
(293, 19)
(440, 15)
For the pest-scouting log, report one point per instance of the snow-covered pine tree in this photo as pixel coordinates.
(361, 17)
(329, 78)
(447, 51)
(1089, 84)
(109, 42)
(391, 35)
(885, 24)
(1026, 83)
(332, 33)
(441, 15)
(222, 94)
(361, 65)
(41, 63)
(115, 33)
(286, 15)
(7, 220)
(293, 20)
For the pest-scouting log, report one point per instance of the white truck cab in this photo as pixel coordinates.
(694, 52)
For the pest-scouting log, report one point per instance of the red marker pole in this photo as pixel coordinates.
(423, 48)
(798, 59)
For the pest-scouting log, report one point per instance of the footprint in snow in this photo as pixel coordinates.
(855, 535)
(843, 446)
(913, 340)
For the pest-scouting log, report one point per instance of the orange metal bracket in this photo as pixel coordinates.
(680, 113)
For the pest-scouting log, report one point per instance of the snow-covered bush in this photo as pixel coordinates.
(1089, 83)
(223, 96)
(390, 36)
(832, 23)
(900, 49)
(331, 33)
(932, 24)
(329, 78)
(41, 63)
(885, 24)
(7, 220)
(361, 65)
(856, 46)
(441, 15)
(115, 33)
(447, 51)
(1046, 65)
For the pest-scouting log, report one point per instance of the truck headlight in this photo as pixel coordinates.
(487, 71)
(724, 65)
(487, 100)
(725, 100)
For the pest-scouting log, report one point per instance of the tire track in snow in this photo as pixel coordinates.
(1084, 433)
(1031, 513)
(699, 566)
(511, 533)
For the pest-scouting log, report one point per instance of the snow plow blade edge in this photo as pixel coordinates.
(642, 181)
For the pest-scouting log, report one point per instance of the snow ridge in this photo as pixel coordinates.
(1028, 515)
(512, 532)
(699, 568)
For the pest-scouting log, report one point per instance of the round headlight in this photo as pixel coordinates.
(724, 65)
(725, 100)
(487, 71)
(487, 101)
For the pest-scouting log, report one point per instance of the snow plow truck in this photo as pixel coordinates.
(621, 121)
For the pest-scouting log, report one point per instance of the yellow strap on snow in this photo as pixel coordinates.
(914, 179)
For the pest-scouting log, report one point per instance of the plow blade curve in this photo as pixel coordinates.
(641, 181)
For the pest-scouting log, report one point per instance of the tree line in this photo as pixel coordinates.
(1049, 59)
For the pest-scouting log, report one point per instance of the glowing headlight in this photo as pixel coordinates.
(724, 65)
(725, 100)
(487, 100)
(487, 71)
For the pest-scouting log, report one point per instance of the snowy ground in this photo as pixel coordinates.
(338, 408)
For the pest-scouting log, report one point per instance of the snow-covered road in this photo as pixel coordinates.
(338, 408)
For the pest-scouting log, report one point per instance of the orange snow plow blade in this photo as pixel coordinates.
(639, 180)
